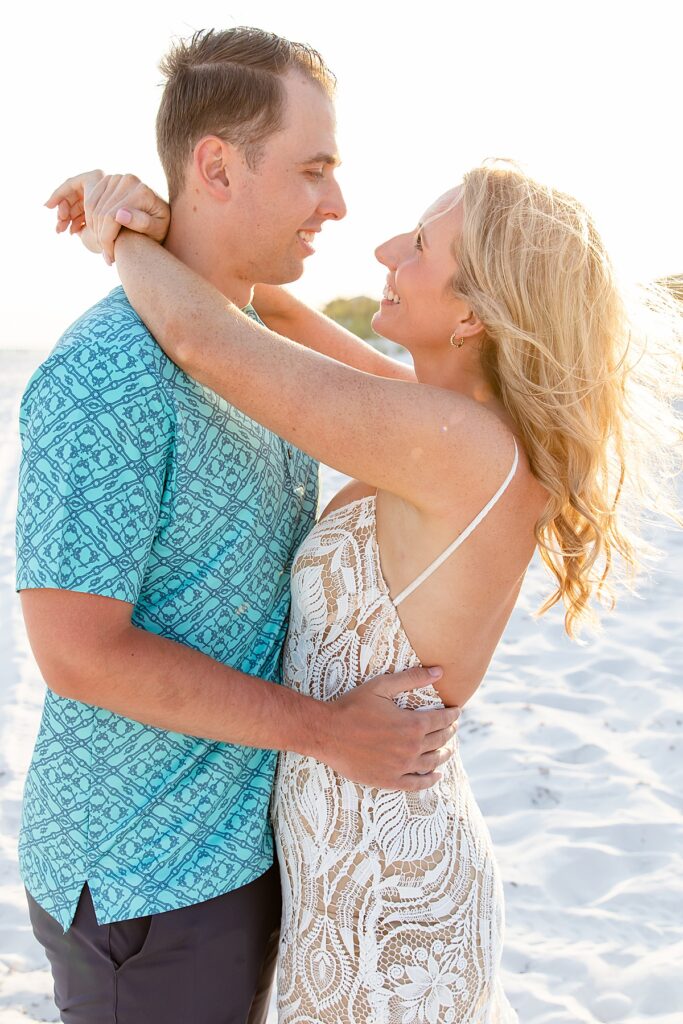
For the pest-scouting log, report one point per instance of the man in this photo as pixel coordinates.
(156, 531)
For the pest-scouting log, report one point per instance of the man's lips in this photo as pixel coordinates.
(307, 238)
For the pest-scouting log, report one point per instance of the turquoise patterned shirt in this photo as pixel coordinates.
(139, 484)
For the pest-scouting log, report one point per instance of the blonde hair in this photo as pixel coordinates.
(587, 376)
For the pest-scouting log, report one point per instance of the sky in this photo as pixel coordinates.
(585, 94)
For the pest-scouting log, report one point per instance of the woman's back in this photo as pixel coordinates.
(455, 616)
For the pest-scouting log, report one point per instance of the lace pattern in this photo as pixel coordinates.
(392, 904)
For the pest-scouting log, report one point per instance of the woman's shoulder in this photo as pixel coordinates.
(354, 490)
(482, 451)
(480, 426)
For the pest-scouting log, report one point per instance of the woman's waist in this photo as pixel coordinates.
(331, 818)
(328, 678)
(301, 772)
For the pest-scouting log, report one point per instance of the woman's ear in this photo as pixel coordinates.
(470, 325)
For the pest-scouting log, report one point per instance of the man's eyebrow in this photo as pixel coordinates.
(330, 159)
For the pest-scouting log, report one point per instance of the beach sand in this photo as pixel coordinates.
(574, 753)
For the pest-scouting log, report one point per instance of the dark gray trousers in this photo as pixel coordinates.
(211, 963)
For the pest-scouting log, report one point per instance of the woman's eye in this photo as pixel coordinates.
(418, 241)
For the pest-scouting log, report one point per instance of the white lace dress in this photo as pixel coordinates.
(392, 902)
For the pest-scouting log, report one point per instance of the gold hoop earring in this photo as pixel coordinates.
(454, 341)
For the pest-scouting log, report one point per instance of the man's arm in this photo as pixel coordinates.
(88, 650)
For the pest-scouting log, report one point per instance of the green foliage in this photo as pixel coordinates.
(353, 314)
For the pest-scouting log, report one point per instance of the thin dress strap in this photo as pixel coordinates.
(461, 537)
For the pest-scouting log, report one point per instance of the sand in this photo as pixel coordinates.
(574, 754)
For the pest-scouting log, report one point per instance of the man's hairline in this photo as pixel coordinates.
(329, 159)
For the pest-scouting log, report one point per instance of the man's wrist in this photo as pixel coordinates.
(314, 728)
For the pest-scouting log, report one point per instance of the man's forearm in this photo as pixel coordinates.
(153, 680)
(88, 650)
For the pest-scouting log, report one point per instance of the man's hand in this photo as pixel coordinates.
(96, 206)
(375, 742)
(88, 650)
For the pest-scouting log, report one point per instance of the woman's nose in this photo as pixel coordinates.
(382, 253)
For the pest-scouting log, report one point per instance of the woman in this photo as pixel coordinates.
(527, 427)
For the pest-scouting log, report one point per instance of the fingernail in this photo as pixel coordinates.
(123, 216)
(436, 672)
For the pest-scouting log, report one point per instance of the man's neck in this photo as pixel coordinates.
(193, 244)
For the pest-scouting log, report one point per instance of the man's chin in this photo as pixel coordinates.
(285, 275)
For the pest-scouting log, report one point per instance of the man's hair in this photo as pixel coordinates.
(228, 84)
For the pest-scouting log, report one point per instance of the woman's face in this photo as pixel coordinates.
(419, 309)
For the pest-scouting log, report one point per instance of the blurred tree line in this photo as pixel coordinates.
(354, 314)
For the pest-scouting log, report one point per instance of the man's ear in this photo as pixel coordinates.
(213, 160)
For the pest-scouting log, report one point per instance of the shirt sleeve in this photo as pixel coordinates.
(97, 430)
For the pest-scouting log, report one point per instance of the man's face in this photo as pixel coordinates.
(285, 201)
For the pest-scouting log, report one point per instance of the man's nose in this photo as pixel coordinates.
(334, 206)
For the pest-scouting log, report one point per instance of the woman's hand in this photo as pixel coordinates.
(69, 201)
(96, 206)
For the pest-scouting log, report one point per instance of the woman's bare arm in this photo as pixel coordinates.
(288, 316)
(148, 214)
(419, 442)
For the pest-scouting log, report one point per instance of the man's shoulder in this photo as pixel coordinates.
(106, 347)
(106, 329)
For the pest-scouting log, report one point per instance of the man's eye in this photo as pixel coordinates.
(317, 175)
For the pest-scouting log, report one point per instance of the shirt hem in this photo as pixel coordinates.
(46, 903)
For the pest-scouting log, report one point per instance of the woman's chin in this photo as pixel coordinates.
(381, 325)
